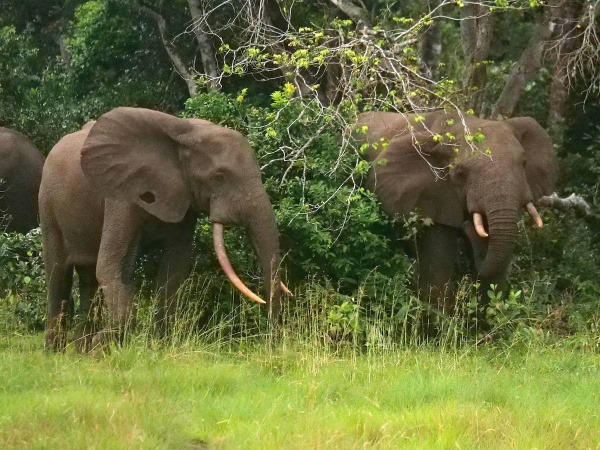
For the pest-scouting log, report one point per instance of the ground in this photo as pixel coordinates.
(276, 395)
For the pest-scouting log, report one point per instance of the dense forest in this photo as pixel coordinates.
(291, 76)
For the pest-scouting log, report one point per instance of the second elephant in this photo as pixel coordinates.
(21, 166)
(472, 177)
(137, 176)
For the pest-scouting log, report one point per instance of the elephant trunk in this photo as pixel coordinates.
(502, 230)
(265, 239)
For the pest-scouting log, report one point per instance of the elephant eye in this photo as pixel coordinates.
(459, 174)
(148, 197)
(220, 177)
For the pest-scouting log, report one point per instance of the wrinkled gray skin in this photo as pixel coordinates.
(521, 169)
(21, 166)
(134, 177)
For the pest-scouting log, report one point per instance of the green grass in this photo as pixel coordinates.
(280, 396)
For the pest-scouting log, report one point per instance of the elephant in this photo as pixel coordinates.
(21, 166)
(134, 177)
(472, 177)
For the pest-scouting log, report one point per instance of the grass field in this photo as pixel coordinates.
(273, 395)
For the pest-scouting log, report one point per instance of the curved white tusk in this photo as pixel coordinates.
(226, 265)
(285, 289)
(478, 222)
(535, 215)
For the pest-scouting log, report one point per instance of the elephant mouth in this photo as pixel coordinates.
(478, 221)
(219, 245)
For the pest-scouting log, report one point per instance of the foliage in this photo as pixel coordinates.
(22, 280)
(17, 70)
(113, 62)
(330, 225)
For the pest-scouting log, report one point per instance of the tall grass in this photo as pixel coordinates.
(336, 372)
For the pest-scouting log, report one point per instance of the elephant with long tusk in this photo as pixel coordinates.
(138, 177)
(472, 177)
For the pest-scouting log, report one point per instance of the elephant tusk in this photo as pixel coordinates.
(535, 215)
(226, 265)
(478, 222)
(285, 289)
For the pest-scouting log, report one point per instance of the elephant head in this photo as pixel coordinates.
(464, 172)
(167, 165)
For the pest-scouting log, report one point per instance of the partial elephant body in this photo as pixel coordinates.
(21, 166)
(136, 177)
(471, 176)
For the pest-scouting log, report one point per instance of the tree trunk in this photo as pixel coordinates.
(180, 66)
(430, 47)
(65, 54)
(476, 29)
(205, 47)
(568, 41)
(527, 67)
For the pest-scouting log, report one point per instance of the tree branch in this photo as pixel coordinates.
(430, 47)
(573, 201)
(476, 29)
(205, 47)
(181, 68)
(358, 14)
(526, 68)
(567, 42)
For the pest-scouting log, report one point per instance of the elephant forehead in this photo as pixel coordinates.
(484, 132)
(404, 189)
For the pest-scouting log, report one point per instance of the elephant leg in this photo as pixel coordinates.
(437, 255)
(174, 268)
(121, 237)
(59, 280)
(89, 307)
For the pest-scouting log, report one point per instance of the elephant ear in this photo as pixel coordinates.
(403, 180)
(542, 166)
(131, 154)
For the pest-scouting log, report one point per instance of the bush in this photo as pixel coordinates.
(330, 226)
(22, 279)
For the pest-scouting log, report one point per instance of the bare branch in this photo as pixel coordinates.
(578, 46)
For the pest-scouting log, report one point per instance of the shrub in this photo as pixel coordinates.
(330, 226)
(22, 280)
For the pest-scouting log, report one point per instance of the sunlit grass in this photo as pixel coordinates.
(316, 381)
(194, 396)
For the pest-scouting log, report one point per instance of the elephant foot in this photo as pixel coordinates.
(55, 343)
(102, 340)
(56, 338)
(84, 339)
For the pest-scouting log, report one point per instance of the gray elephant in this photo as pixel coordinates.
(21, 166)
(138, 176)
(472, 177)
